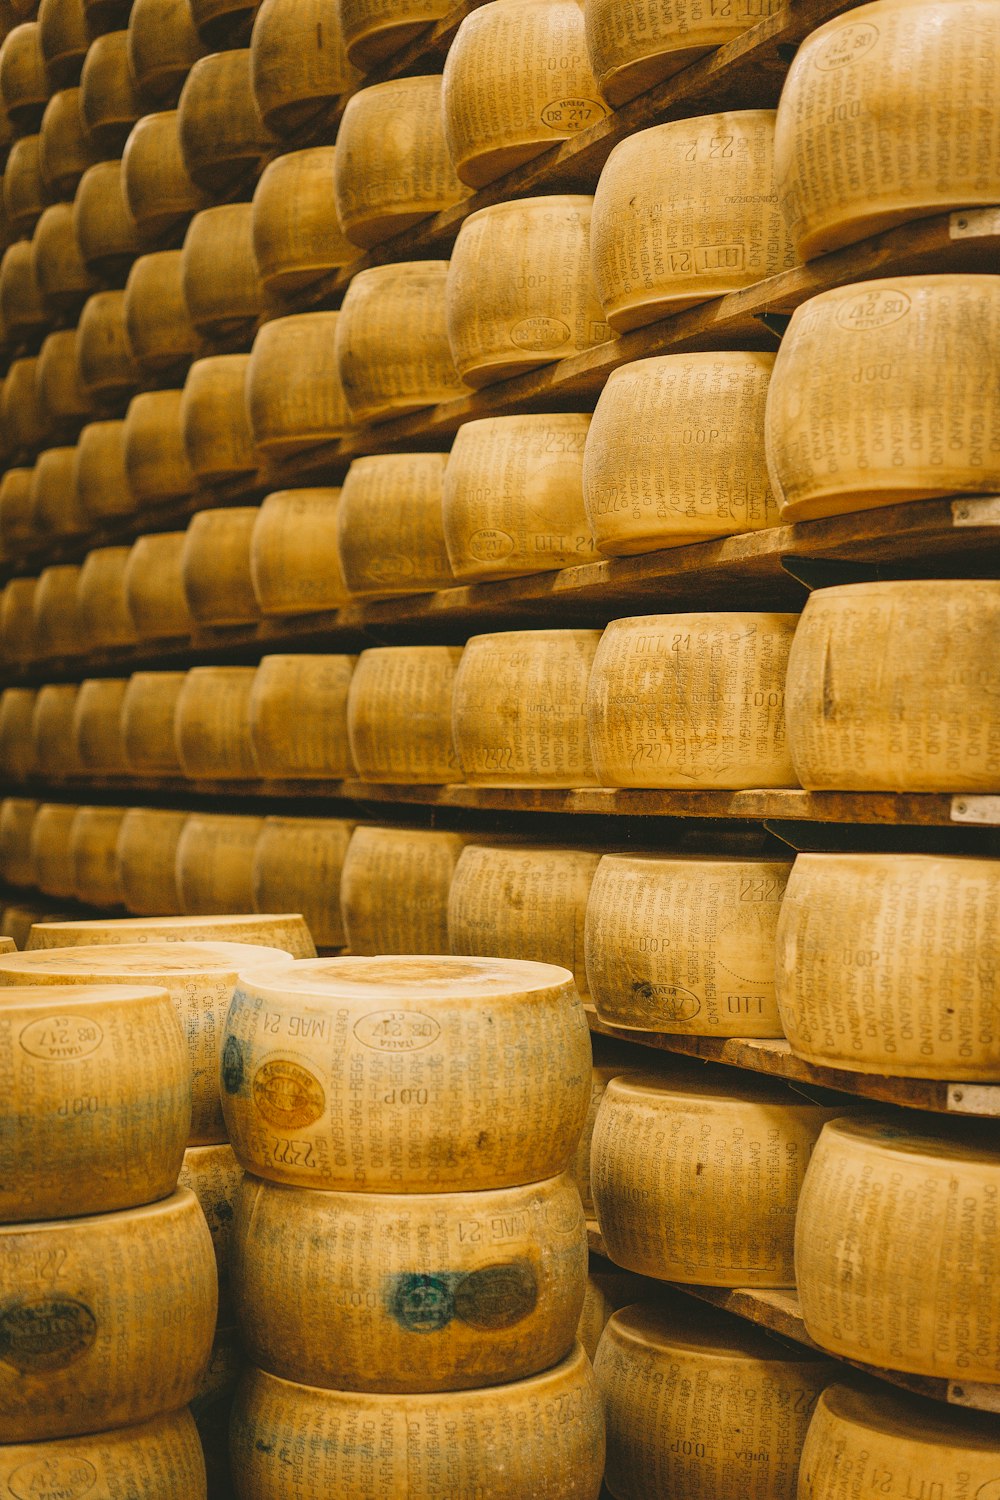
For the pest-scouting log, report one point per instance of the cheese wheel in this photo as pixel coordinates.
(219, 21)
(51, 864)
(24, 87)
(375, 29)
(55, 504)
(155, 461)
(147, 853)
(99, 476)
(65, 146)
(214, 425)
(154, 586)
(520, 708)
(221, 283)
(294, 395)
(157, 323)
(862, 412)
(693, 700)
(297, 237)
(54, 746)
(389, 533)
(214, 1175)
(160, 191)
(214, 866)
(17, 819)
(687, 211)
(399, 714)
(521, 902)
(215, 566)
(392, 167)
(123, 1333)
(93, 1120)
(223, 135)
(160, 1460)
(869, 975)
(284, 930)
(871, 1436)
(212, 724)
(520, 291)
(297, 863)
(394, 889)
(701, 1405)
(24, 192)
(294, 563)
(298, 717)
(109, 101)
(675, 452)
(392, 350)
(513, 496)
(63, 38)
(17, 621)
(381, 1292)
(517, 80)
(163, 45)
(105, 230)
(148, 710)
(101, 612)
(897, 1247)
(15, 508)
(696, 1173)
(93, 843)
(635, 46)
(20, 413)
(63, 400)
(891, 687)
(17, 750)
(686, 945)
(388, 1074)
(108, 372)
(24, 312)
(62, 278)
(298, 62)
(542, 1437)
(97, 725)
(54, 610)
(199, 977)
(611, 1058)
(868, 76)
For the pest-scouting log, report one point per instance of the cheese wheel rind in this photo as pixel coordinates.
(160, 1460)
(285, 931)
(394, 889)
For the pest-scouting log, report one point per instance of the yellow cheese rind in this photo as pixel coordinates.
(215, 566)
(686, 945)
(298, 61)
(55, 505)
(162, 46)
(99, 475)
(297, 236)
(415, 1293)
(17, 619)
(147, 719)
(388, 1074)
(155, 461)
(214, 1175)
(97, 725)
(399, 713)
(221, 130)
(106, 366)
(93, 842)
(17, 818)
(294, 395)
(154, 586)
(297, 863)
(66, 147)
(284, 930)
(696, 1175)
(160, 1459)
(219, 272)
(390, 537)
(897, 1248)
(375, 29)
(51, 862)
(53, 741)
(215, 863)
(298, 716)
(147, 854)
(105, 230)
(121, 1335)
(92, 1121)
(294, 563)
(611, 1058)
(542, 1438)
(160, 192)
(109, 103)
(212, 723)
(17, 747)
(62, 277)
(394, 889)
(101, 611)
(214, 425)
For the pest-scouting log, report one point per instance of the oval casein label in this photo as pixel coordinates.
(847, 45)
(62, 1478)
(489, 544)
(537, 335)
(61, 1038)
(573, 115)
(876, 307)
(287, 1095)
(669, 1002)
(45, 1333)
(396, 1031)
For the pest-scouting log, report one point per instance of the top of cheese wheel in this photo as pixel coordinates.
(286, 931)
(149, 959)
(410, 976)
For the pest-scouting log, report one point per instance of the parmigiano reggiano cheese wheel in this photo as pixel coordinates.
(701, 1405)
(297, 236)
(17, 621)
(696, 1173)
(24, 192)
(55, 505)
(155, 461)
(93, 848)
(63, 400)
(404, 1293)
(54, 609)
(611, 1058)
(513, 496)
(157, 324)
(223, 135)
(686, 944)
(298, 61)
(870, 975)
(212, 724)
(219, 272)
(17, 749)
(15, 508)
(147, 854)
(217, 436)
(892, 686)
(24, 87)
(284, 930)
(517, 79)
(214, 1175)
(294, 395)
(868, 76)
(869, 1435)
(695, 201)
(634, 46)
(520, 291)
(65, 146)
(394, 889)
(99, 471)
(216, 566)
(298, 717)
(214, 866)
(101, 612)
(159, 190)
(297, 862)
(520, 708)
(163, 44)
(154, 586)
(294, 562)
(675, 453)
(63, 38)
(54, 747)
(387, 1074)
(148, 711)
(108, 372)
(121, 1336)
(105, 230)
(399, 714)
(22, 417)
(160, 1460)
(863, 412)
(390, 537)
(17, 819)
(897, 1245)
(392, 167)
(97, 1102)
(693, 700)
(62, 278)
(50, 854)
(375, 29)
(520, 902)
(542, 1437)
(97, 725)
(392, 343)
(109, 101)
